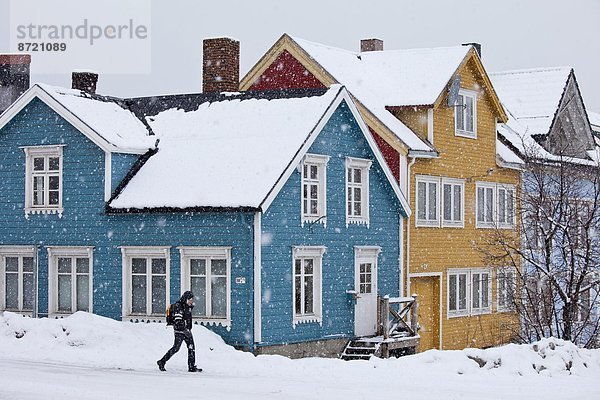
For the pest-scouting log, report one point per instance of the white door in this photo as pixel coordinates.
(365, 311)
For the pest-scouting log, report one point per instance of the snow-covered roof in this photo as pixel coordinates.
(110, 120)
(532, 95)
(380, 79)
(228, 153)
(507, 156)
(531, 98)
(594, 120)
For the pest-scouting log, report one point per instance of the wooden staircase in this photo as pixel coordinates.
(360, 349)
(395, 336)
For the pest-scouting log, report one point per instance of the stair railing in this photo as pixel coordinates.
(393, 317)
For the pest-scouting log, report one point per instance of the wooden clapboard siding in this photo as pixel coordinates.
(341, 137)
(435, 249)
(84, 222)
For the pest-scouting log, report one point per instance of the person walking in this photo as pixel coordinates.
(182, 327)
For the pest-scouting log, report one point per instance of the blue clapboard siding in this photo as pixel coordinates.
(121, 164)
(85, 224)
(281, 229)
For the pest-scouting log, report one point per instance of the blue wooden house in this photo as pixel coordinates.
(275, 208)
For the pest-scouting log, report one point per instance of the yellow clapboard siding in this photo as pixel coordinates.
(435, 250)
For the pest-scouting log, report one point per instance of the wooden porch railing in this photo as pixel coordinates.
(392, 320)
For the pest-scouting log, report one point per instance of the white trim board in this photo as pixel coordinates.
(38, 92)
(341, 96)
(430, 275)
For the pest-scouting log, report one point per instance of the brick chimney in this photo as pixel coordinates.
(14, 78)
(221, 65)
(85, 81)
(477, 47)
(371, 45)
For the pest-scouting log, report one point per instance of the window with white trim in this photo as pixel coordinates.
(206, 271)
(43, 179)
(17, 283)
(458, 293)
(306, 288)
(427, 201)
(469, 292)
(357, 190)
(506, 288)
(495, 205)
(70, 279)
(430, 200)
(485, 204)
(506, 206)
(314, 188)
(146, 280)
(452, 202)
(465, 114)
(481, 290)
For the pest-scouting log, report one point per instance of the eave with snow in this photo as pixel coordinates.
(547, 116)
(381, 80)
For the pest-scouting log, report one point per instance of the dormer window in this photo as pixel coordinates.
(465, 114)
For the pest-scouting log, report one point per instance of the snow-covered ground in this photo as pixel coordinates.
(89, 357)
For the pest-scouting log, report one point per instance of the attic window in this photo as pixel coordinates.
(465, 114)
(314, 201)
(43, 180)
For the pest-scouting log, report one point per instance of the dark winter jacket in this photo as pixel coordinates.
(183, 313)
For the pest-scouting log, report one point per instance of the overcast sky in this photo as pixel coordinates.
(514, 34)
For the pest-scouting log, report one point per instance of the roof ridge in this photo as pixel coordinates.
(355, 53)
(531, 70)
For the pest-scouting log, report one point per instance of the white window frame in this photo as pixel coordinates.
(18, 252)
(506, 224)
(364, 166)
(320, 162)
(485, 186)
(427, 222)
(72, 252)
(459, 108)
(453, 183)
(469, 310)
(481, 309)
(148, 252)
(458, 312)
(188, 253)
(502, 288)
(315, 253)
(46, 152)
(496, 188)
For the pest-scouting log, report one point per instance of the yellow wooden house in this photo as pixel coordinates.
(433, 112)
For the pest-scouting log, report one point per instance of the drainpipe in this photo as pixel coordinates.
(410, 164)
(257, 279)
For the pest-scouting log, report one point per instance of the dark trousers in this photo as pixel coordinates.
(181, 336)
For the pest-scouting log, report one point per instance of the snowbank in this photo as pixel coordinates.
(57, 347)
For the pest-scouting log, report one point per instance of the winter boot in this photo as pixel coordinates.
(161, 365)
(194, 369)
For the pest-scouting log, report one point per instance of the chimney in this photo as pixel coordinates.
(85, 81)
(221, 70)
(371, 45)
(14, 78)
(477, 47)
